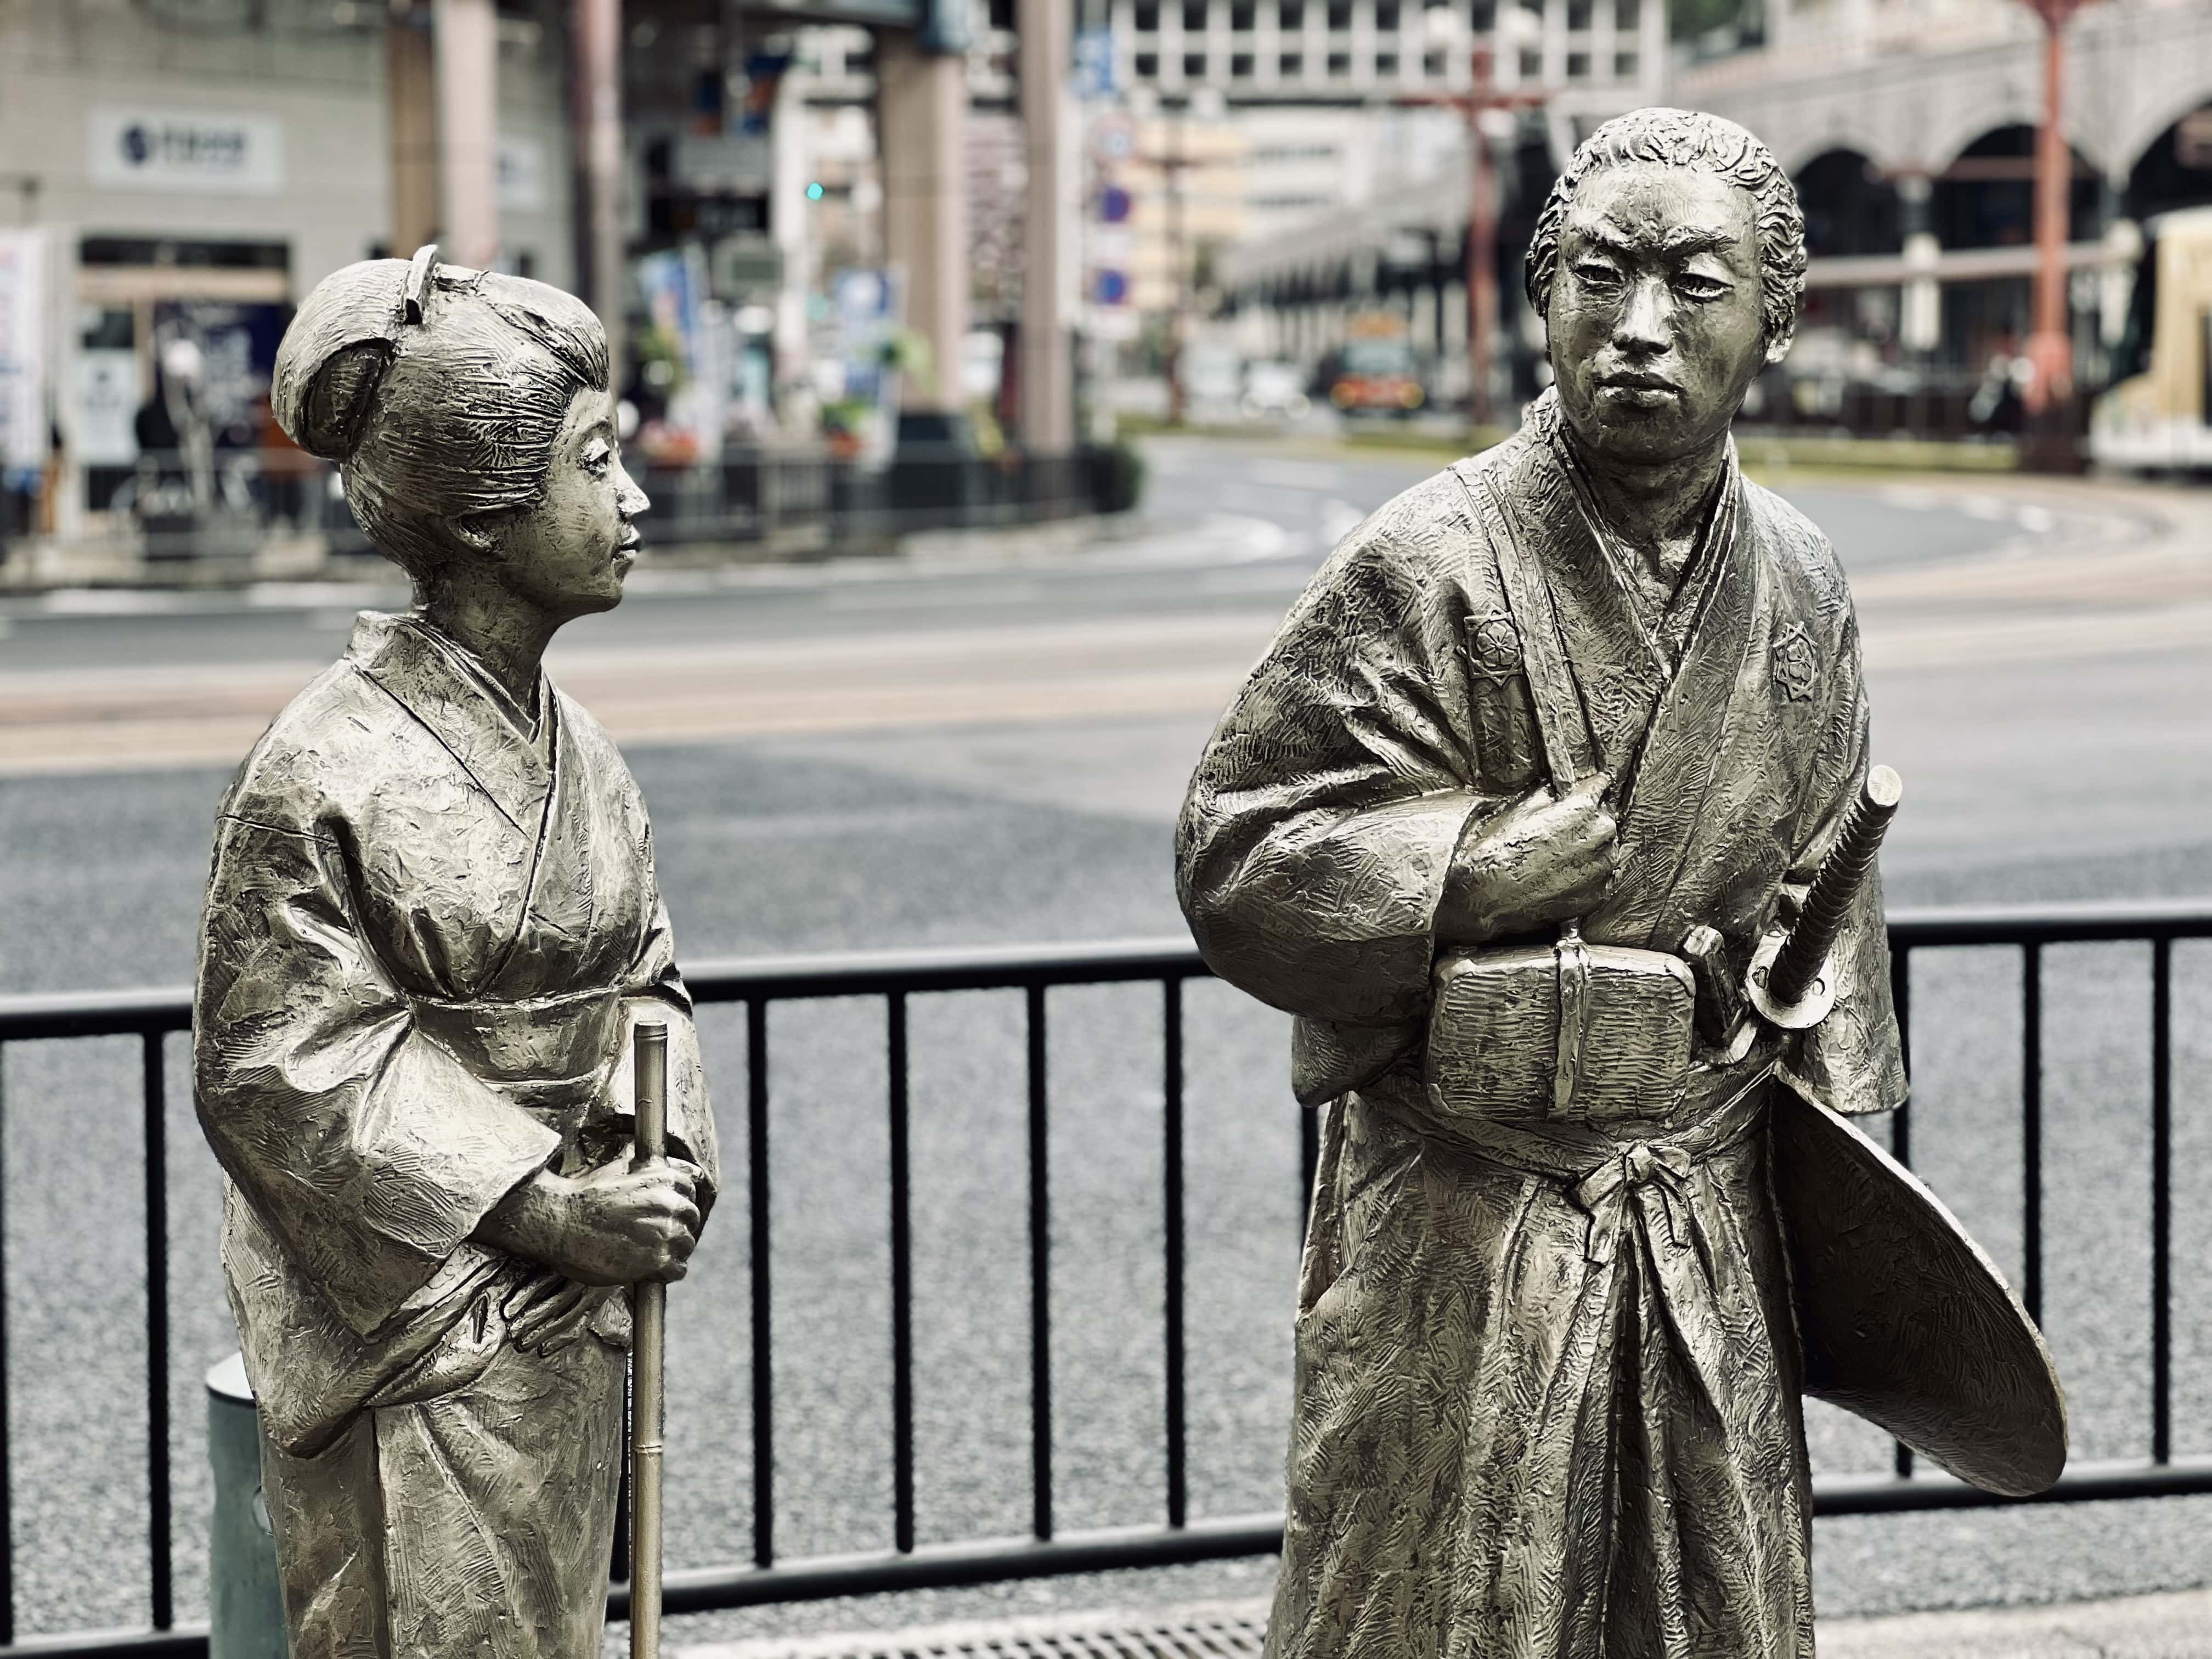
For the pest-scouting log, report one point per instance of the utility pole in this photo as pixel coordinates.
(411, 101)
(1045, 376)
(921, 110)
(1477, 106)
(468, 131)
(1481, 247)
(1174, 165)
(2051, 345)
(597, 31)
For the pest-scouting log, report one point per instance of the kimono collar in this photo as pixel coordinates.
(457, 700)
(1666, 636)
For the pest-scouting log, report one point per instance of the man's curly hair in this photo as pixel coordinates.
(1692, 138)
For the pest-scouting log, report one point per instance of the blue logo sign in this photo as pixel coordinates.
(1094, 63)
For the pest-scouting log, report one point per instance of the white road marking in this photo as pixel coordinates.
(1339, 519)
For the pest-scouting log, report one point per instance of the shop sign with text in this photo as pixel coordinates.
(196, 152)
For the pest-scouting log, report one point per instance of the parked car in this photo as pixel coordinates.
(1274, 391)
(1377, 371)
(1212, 379)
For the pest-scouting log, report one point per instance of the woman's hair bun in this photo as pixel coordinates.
(334, 355)
(339, 399)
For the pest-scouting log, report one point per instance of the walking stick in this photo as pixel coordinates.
(648, 1342)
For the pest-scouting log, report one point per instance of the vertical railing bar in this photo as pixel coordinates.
(902, 1281)
(1040, 1277)
(1171, 1180)
(1901, 997)
(1309, 1162)
(2162, 1200)
(7, 1466)
(618, 1564)
(155, 1096)
(763, 1365)
(1900, 1127)
(2031, 1129)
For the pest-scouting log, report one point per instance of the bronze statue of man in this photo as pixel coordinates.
(1548, 747)
(431, 925)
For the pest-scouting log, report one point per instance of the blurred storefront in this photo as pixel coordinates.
(190, 171)
(1911, 130)
(175, 175)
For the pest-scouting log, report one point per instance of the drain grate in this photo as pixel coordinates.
(1217, 1629)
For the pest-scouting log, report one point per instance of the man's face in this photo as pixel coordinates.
(1654, 326)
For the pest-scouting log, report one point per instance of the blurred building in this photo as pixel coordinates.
(1358, 53)
(186, 169)
(1909, 126)
(177, 174)
(1393, 88)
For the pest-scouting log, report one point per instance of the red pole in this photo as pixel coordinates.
(2051, 348)
(1179, 270)
(598, 31)
(1481, 248)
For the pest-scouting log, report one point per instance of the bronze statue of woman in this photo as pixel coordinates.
(431, 924)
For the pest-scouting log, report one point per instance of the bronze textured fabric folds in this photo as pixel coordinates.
(1547, 1406)
(429, 930)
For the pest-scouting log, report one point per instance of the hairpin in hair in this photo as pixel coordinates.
(418, 280)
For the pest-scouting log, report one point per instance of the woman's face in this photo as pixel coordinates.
(568, 554)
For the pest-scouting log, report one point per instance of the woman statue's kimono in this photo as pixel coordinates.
(431, 924)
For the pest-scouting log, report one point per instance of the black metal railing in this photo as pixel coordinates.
(220, 510)
(1048, 1549)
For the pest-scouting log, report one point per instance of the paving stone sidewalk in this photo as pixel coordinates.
(2174, 1626)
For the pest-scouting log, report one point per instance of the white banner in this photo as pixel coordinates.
(24, 427)
(521, 174)
(184, 151)
(106, 433)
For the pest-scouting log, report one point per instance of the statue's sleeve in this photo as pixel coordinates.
(368, 1152)
(654, 990)
(1853, 1060)
(1319, 830)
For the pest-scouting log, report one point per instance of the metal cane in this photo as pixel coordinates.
(648, 1342)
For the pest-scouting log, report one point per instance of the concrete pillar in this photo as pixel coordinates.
(791, 159)
(468, 131)
(1920, 313)
(921, 104)
(411, 105)
(596, 30)
(1650, 54)
(1048, 364)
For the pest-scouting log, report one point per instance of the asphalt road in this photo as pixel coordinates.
(1224, 527)
(2056, 746)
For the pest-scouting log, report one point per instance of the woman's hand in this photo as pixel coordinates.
(611, 1226)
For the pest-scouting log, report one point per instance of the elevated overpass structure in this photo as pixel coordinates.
(1909, 126)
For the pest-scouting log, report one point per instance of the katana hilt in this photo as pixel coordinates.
(1791, 982)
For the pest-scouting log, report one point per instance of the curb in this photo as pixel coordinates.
(2173, 1625)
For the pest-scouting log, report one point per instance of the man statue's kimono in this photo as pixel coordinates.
(431, 923)
(1547, 1389)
